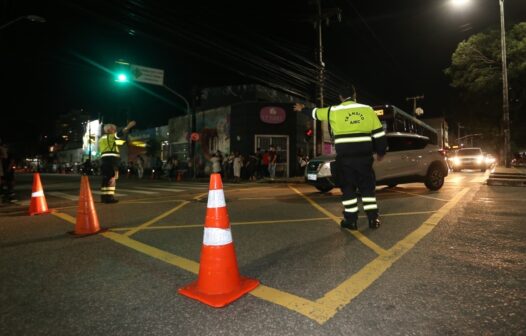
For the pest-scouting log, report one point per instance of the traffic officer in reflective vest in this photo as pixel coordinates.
(358, 134)
(110, 159)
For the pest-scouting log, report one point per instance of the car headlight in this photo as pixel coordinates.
(325, 170)
(455, 160)
(480, 159)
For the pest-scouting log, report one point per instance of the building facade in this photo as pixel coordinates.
(241, 119)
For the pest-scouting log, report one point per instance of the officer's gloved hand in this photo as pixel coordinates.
(298, 107)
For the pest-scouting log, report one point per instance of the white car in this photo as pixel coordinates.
(469, 158)
(409, 158)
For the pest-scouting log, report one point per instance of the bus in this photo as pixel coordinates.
(394, 119)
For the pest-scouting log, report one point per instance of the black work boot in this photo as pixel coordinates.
(111, 200)
(374, 223)
(348, 224)
(103, 198)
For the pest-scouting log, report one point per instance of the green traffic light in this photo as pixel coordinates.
(122, 78)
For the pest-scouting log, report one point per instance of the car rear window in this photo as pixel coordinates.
(396, 144)
(469, 151)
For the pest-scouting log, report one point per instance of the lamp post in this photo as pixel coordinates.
(32, 18)
(505, 99)
(190, 122)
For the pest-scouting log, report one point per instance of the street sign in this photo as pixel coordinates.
(147, 75)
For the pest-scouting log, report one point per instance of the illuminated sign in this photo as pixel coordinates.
(272, 115)
(91, 137)
(379, 112)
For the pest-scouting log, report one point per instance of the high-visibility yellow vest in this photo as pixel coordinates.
(356, 128)
(108, 145)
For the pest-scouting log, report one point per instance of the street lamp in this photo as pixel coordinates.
(32, 18)
(190, 126)
(505, 99)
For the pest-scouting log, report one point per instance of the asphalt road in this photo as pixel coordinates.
(450, 262)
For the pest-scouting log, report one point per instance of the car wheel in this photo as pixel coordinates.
(392, 185)
(324, 189)
(435, 177)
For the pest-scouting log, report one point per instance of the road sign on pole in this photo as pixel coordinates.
(147, 75)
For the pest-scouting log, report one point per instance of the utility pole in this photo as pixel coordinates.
(505, 100)
(459, 126)
(414, 99)
(319, 19)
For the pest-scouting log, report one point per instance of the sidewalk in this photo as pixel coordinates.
(502, 176)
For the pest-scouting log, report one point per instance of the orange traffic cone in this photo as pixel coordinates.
(38, 205)
(87, 221)
(218, 282)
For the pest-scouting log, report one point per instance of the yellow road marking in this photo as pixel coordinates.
(156, 219)
(405, 213)
(172, 259)
(155, 201)
(200, 196)
(284, 221)
(357, 234)
(255, 198)
(327, 306)
(281, 221)
(65, 216)
(356, 284)
(479, 179)
(415, 194)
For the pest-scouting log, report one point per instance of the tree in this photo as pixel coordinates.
(476, 71)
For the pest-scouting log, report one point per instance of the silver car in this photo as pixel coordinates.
(410, 158)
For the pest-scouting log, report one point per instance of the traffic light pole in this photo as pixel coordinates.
(191, 153)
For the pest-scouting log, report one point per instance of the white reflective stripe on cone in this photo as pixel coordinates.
(217, 237)
(37, 194)
(216, 199)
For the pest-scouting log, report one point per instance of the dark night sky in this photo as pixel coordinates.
(388, 49)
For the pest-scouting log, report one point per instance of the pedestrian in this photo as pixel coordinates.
(216, 163)
(358, 134)
(259, 163)
(264, 164)
(110, 160)
(237, 163)
(302, 162)
(251, 167)
(3, 156)
(272, 160)
(7, 180)
(140, 166)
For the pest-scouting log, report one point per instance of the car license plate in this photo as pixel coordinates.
(312, 177)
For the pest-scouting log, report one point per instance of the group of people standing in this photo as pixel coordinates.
(252, 167)
(7, 174)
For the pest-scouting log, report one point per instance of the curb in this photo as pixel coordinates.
(510, 182)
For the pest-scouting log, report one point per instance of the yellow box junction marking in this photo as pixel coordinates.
(326, 307)
(156, 219)
(357, 234)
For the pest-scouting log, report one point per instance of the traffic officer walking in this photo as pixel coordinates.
(358, 134)
(110, 159)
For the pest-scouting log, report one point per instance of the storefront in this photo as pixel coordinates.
(258, 119)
